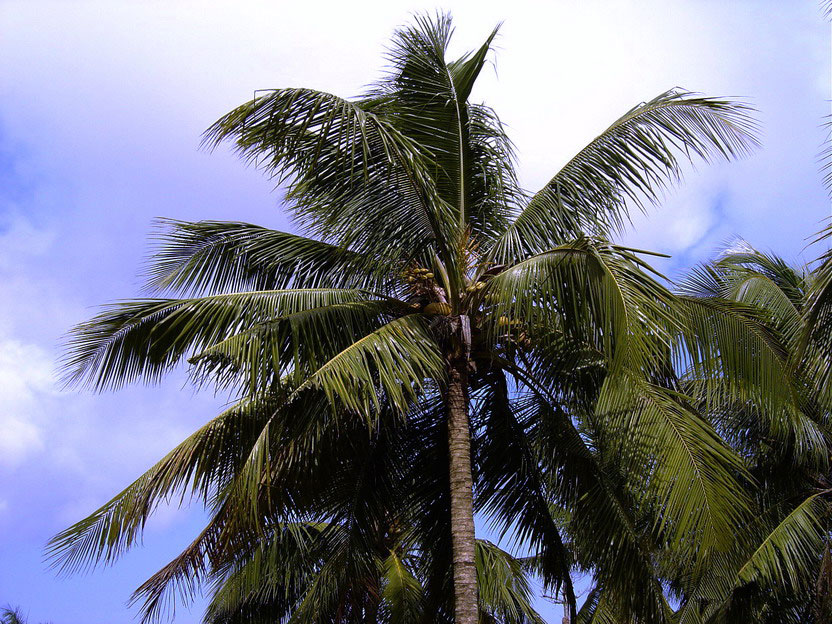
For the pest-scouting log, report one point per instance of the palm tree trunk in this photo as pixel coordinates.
(463, 542)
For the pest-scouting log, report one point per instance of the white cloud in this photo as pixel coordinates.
(25, 377)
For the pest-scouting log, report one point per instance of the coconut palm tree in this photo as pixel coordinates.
(780, 569)
(425, 279)
(9, 615)
(12, 615)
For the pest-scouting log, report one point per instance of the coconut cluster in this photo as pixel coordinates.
(414, 275)
(424, 292)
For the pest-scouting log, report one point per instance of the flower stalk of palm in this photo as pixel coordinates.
(426, 273)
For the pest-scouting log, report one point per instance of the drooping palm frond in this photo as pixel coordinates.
(630, 162)
(210, 257)
(402, 591)
(744, 323)
(206, 457)
(504, 589)
(146, 338)
(792, 547)
(401, 354)
(659, 427)
(310, 465)
(512, 488)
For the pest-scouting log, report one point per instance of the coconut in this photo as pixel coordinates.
(437, 308)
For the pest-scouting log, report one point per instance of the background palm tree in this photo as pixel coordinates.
(12, 615)
(428, 281)
(780, 569)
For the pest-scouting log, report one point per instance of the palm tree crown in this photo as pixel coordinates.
(531, 366)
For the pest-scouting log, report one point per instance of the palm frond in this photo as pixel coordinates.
(210, 257)
(595, 294)
(398, 357)
(505, 592)
(352, 177)
(512, 488)
(273, 578)
(208, 457)
(402, 591)
(792, 547)
(692, 473)
(628, 163)
(146, 338)
(12, 615)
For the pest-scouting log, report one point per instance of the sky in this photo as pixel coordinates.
(101, 109)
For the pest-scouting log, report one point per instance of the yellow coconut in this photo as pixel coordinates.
(436, 309)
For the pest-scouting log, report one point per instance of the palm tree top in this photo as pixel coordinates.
(424, 280)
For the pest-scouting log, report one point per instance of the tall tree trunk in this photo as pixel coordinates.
(466, 610)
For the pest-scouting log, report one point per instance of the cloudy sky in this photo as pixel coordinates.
(101, 109)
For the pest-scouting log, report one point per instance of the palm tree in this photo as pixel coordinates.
(12, 615)
(427, 281)
(780, 568)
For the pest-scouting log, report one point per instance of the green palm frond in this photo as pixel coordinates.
(401, 355)
(594, 293)
(209, 456)
(513, 489)
(182, 578)
(818, 309)
(146, 338)
(693, 475)
(273, 577)
(739, 349)
(504, 589)
(402, 591)
(792, 547)
(427, 96)
(352, 177)
(296, 344)
(631, 161)
(214, 257)
(724, 341)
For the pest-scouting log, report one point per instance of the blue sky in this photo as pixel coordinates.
(101, 109)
